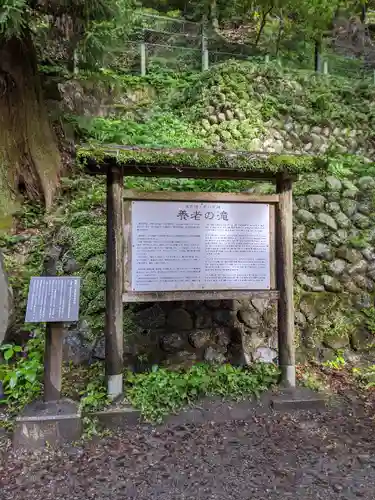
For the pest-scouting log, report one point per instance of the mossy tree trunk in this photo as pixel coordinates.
(30, 161)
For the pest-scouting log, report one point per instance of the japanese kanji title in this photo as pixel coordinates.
(197, 215)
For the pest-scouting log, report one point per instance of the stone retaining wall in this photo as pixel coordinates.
(334, 264)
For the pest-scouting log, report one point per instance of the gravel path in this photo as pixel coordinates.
(300, 455)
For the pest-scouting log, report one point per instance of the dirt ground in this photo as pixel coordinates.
(218, 451)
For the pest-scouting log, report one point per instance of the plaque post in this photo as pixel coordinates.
(53, 355)
(284, 276)
(114, 337)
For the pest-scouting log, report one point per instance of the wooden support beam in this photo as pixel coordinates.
(114, 347)
(53, 347)
(284, 278)
(53, 354)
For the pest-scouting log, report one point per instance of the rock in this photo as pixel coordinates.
(203, 318)
(308, 309)
(337, 267)
(301, 201)
(360, 281)
(265, 355)
(77, 347)
(179, 319)
(6, 301)
(331, 284)
(309, 283)
(316, 139)
(361, 338)
(342, 220)
(172, 342)
(363, 301)
(359, 267)
(312, 264)
(323, 251)
(182, 360)
(315, 235)
(366, 183)
(316, 202)
(343, 234)
(368, 254)
(316, 130)
(333, 196)
(278, 146)
(71, 266)
(333, 184)
(151, 317)
(326, 354)
(223, 336)
(349, 206)
(288, 127)
(304, 215)
(350, 193)
(326, 132)
(350, 287)
(200, 338)
(371, 271)
(327, 220)
(300, 318)
(336, 342)
(365, 208)
(250, 318)
(361, 221)
(333, 207)
(224, 317)
(98, 351)
(349, 254)
(298, 233)
(213, 355)
(260, 305)
(255, 145)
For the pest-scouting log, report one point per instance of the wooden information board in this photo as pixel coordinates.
(186, 246)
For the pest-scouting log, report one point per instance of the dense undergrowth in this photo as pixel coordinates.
(231, 105)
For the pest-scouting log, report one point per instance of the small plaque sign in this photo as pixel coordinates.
(53, 300)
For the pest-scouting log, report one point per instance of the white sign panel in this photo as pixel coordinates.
(199, 246)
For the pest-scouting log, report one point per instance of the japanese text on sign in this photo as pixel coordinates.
(53, 299)
(199, 246)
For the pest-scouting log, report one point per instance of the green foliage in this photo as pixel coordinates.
(94, 396)
(161, 392)
(22, 371)
(311, 380)
(338, 363)
(369, 314)
(162, 129)
(365, 376)
(13, 17)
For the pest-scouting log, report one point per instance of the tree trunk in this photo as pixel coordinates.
(30, 161)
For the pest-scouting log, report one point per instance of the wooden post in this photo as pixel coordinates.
(205, 58)
(143, 59)
(325, 67)
(53, 354)
(114, 347)
(284, 277)
(53, 348)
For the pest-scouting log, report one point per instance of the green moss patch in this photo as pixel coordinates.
(201, 159)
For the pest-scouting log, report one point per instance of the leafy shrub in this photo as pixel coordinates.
(161, 391)
(21, 373)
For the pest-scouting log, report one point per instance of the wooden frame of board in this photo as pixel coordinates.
(167, 196)
(118, 226)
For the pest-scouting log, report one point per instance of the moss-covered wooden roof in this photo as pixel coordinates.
(197, 163)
